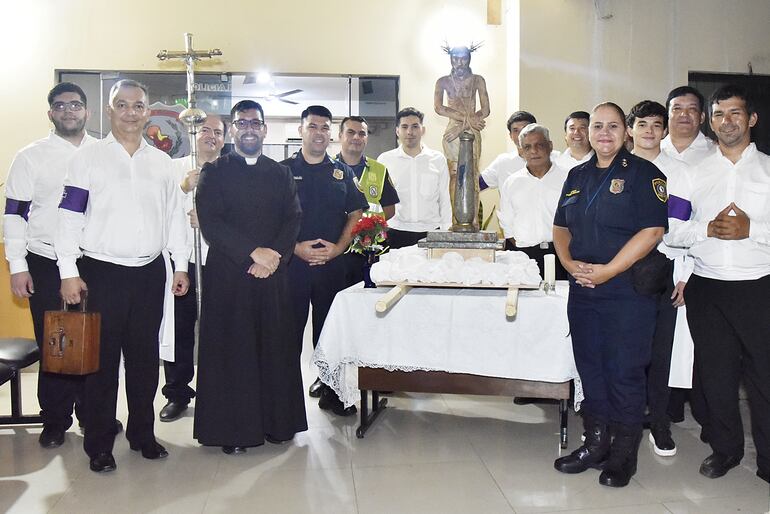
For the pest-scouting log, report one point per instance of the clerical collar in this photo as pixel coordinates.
(251, 160)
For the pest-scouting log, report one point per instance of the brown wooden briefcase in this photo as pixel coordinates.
(71, 344)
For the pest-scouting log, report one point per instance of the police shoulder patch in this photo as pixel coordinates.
(659, 186)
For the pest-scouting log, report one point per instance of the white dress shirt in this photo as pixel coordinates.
(566, 161)
(528, 205)
(505, 165)
(705, 191)
(422, 184)
(699, 149)
(120, 208)
(182, 167)
(33, 192)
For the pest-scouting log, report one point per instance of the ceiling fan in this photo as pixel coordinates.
(252, 78)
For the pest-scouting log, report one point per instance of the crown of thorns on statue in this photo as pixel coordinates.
(461, 50)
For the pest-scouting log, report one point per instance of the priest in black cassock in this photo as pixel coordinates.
(249, 379)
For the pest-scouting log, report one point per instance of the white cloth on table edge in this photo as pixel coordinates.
(340, 371)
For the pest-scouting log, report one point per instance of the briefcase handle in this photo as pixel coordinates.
(83, 301)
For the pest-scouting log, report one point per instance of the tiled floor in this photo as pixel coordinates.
(426, 454)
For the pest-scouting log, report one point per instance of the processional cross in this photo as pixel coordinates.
(193, 118)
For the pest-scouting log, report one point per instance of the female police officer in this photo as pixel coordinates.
(612, 213)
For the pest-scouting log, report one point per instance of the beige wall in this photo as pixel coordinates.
(571, 59)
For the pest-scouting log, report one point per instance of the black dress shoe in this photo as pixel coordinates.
(315, 388)
(330, 401)
(103, 463)
(172, 411)
(51, 437)
(152, 451)
(274, 440)
(718, 464)
(229, 450)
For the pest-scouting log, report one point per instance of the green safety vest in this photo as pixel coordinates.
(372, 180)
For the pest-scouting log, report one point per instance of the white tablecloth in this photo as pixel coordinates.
(454, 330)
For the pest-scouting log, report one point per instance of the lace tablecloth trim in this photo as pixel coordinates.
(343, 377)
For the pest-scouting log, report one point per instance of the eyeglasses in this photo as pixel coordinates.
(244, 124)
(63, 106)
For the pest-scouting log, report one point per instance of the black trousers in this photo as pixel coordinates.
(130, 300)
(730, 326)
(316, 285)
(56, 393)
(658, 392)
(401, 238)
(538, 254)
(179, 374)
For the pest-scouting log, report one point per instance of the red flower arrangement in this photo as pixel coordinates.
(369, 234)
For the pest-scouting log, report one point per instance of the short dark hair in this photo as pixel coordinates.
(577, 115)
(247, 105)
(409, 111)
(685, 90)
(729, 91)
(317, 110)
(359, 119)
(520, 116)
(645, 109)
(66, 87)
(612, 105)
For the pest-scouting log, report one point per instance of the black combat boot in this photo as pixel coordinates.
(621, 464)
(593, 452)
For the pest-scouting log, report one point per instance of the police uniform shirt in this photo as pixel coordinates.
(182, 166)
(505, 165)
(33, 192)
(528, 205)
(707, 190)
(604, 208)
(327, 195)
(120, 208)
(699, 149)
(422, 183)
(389, 195)
(566, 161)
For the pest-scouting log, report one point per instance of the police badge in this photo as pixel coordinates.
(616, 185)
(338, 174)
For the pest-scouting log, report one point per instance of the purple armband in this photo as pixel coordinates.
(74, 199)
(17, 208)
(679, 208)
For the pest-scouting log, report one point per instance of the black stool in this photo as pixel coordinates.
(17, 353)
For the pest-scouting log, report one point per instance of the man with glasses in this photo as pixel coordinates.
(32, 197)
(331, 206)
(179, 373)
(249, 376)
(120, 209)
